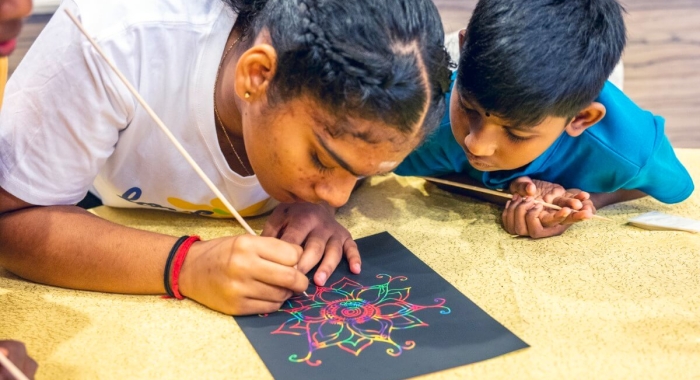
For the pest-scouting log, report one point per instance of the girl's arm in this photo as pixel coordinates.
(69, 247)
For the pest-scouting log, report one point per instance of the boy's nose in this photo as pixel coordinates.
(336, 190)
(480, 143)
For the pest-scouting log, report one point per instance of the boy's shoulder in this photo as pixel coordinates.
(627, 131)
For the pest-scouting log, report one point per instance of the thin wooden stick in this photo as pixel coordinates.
(500, 194)
(165, 129)
(12, 368)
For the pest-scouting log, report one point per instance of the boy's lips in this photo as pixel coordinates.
(477, 162)
(7, 47)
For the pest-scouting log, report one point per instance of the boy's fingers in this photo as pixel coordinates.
(352, 254)
(532, 219)
(519, 216)
(578, 216)
(331, 259)
(531, 189)
(571, 203)
(507, 215)
(549, 219)
(522, 185)
(583, 196)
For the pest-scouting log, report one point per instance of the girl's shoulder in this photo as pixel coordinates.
(107, 17)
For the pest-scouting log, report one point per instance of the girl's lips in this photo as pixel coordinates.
(7, 47)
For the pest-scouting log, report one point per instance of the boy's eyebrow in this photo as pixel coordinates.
(468, 106)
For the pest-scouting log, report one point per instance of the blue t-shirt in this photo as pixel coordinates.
(627, 149)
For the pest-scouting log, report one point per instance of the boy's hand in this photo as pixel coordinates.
(314, 227)
(242, 274)
(17, 353)
(524, 216)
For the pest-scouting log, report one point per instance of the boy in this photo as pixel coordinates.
(530, 110)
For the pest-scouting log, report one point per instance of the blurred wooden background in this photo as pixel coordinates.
(661, 62)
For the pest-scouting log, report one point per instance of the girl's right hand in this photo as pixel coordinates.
(242, 274)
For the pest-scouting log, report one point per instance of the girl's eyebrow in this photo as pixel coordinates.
(343, 164)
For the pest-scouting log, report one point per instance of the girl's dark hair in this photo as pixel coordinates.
(367, 59)
(526, 60)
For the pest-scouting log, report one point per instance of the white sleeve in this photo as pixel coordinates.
(62, 115)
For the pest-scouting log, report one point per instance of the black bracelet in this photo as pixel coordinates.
(169, 263)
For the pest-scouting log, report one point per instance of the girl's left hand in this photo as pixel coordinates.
(313, 226)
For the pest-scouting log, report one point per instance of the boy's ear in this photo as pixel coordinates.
(588, 117)
(254, 71)
(462, 39)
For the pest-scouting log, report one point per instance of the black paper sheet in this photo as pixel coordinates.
(396, 319)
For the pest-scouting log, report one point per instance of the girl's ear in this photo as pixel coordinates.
(254, 71)
(588, 117)
(462, 39)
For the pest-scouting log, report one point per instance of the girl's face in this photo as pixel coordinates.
(300, 153)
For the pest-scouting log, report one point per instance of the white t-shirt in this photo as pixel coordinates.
(69, 124)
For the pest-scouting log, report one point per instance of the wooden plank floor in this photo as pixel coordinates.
(662, 60)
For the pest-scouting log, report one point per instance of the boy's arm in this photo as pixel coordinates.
(68, 247)
(601, 200)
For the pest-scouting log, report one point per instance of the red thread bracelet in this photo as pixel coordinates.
(177, 264)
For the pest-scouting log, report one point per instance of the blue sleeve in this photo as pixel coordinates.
(663, 176)
(438, 155)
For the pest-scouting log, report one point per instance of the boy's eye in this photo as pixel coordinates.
(318, 164)
(515, 138)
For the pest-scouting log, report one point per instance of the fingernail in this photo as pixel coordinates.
(356, 268)
(321, 278)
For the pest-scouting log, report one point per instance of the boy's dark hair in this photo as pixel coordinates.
(526, 60)
(359, 58)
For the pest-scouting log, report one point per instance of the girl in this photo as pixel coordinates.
(285, 99)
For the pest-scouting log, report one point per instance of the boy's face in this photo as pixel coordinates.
(491, 143)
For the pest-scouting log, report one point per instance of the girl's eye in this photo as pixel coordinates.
(318, 164)
(514, 138)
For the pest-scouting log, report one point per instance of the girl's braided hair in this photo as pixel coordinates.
(377, 60)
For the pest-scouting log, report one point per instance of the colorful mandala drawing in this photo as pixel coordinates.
(352, 317)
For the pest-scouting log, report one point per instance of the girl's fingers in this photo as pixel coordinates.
(250, 306)
(279, 275)
(352, 254)
(313, 251)
(331, 259)
(271, 249)
(265, 292)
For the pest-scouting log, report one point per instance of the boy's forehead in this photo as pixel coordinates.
(470, 101)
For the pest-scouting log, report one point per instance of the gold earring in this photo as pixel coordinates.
(247, 95)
